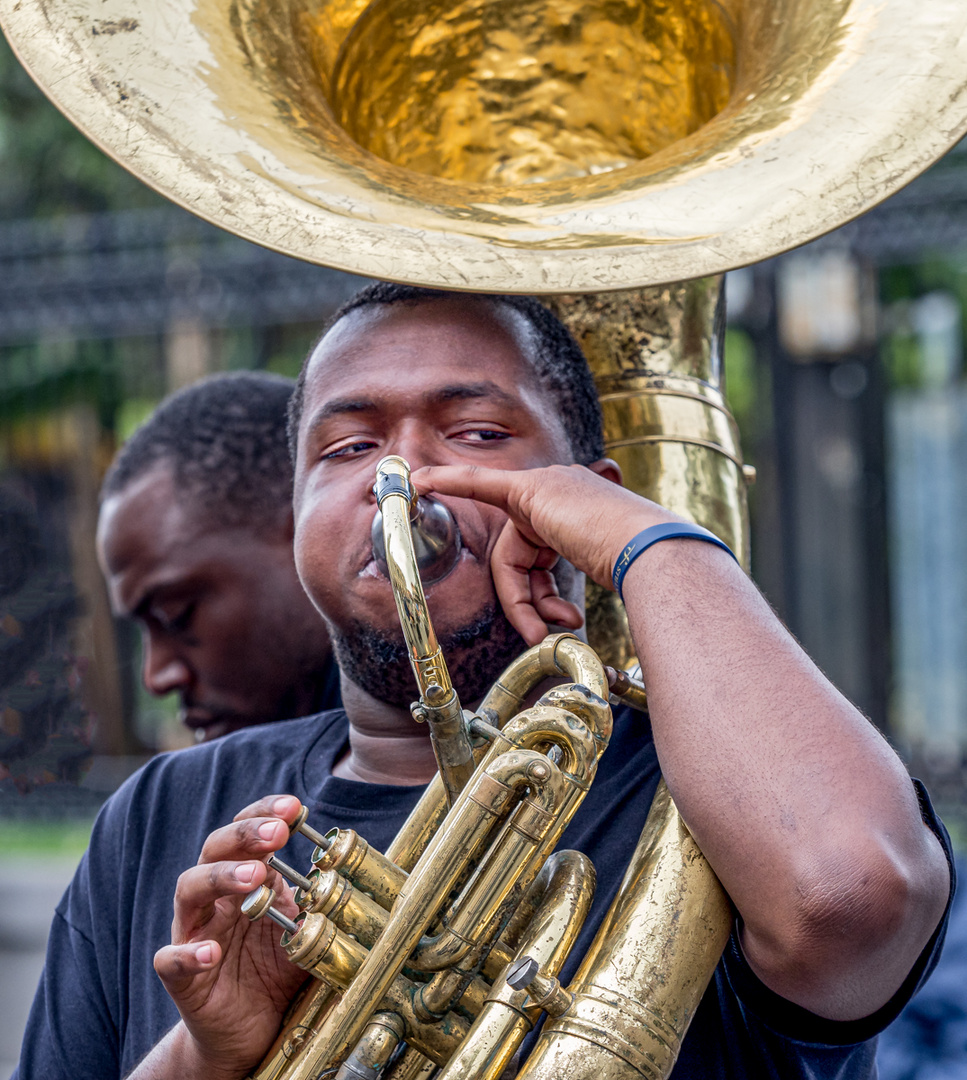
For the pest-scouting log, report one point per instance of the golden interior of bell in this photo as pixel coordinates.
(507, 92)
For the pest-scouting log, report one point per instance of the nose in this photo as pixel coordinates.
(418, 444)
(163, 670)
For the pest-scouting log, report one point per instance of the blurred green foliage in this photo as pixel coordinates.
(47, 167)
(901, 287)
(740, 378)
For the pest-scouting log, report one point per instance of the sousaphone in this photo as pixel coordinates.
(511, 145)
(527, 146)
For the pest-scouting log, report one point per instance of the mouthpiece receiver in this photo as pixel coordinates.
(436, 539)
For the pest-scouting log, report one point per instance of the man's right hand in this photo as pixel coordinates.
(229, 977)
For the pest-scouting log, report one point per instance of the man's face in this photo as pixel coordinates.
(225, 621)
(441, 382)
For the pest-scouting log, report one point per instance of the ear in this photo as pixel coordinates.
(607, 468)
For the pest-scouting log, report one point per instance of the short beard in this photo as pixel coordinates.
(475, 654)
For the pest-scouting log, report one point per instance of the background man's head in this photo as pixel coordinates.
(439, 378)
(195, 540)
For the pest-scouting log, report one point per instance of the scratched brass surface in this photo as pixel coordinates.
(641, 981)
(656, 355)
(226, 107)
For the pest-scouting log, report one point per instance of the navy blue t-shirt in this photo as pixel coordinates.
(100, 1007)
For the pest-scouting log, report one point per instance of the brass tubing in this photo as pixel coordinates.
(449, 737)
(556, 655)
(411, 1066)
(500, 955)
(350, 855)
(374, 1048)
(592, 710)
(320, 947)
(544, 723)
(576, 786)
(419, 901)
(302, 1025)
(511, 861)
(420, 827)
(431, 809)
(526, 875)
(656, 440)
(441, 706)
(504, 700)
(473, 998)
(627, 690)
(578, 661)
(640, 984)
(351, 910)
(489, 888)
(505, 860)
(457, 988)
(567, 881)
(506, 697)
(561, 654)
(371, 872)
(394, 496)
(329, 954)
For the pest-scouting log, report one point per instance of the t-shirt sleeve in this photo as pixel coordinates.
(70, 1024)
(72, 1029)
(794, 1022)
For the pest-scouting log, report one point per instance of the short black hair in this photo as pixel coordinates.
(224, 439)
(559, 364)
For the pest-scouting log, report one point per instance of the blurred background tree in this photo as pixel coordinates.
(47, 167)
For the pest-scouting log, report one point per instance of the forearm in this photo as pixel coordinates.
(177, 1057)
(802, 808)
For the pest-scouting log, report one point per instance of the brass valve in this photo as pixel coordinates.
(544, 990)
(259, 903)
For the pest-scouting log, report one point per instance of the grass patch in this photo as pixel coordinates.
(44, 838)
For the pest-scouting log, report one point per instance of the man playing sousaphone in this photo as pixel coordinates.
(832, 858)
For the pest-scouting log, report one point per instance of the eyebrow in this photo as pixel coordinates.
(469, 391)
(338, 407)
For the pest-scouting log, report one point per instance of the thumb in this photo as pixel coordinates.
(186, 969)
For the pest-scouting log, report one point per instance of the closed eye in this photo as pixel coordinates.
(473, 435)
(360, 446)
(175, 621)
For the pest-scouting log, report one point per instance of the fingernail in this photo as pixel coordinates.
(203, 954)
(267, 830)
(244, 872)
(280, 806)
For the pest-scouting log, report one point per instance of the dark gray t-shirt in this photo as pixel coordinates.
(100, 1007)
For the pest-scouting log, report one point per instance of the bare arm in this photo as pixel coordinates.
(803, 810)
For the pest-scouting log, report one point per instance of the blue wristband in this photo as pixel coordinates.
(672, 530)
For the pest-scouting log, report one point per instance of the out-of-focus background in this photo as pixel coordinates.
(845, 368)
